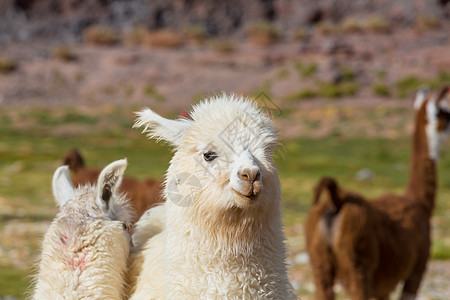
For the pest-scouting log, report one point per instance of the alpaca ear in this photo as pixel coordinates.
(443, 93)
(161, 128)
(421, 96)
(109, 182)
(62, 185)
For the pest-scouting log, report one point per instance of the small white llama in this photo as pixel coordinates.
(220, 234)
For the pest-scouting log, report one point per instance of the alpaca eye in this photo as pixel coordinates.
(210, 155)
(125, 226)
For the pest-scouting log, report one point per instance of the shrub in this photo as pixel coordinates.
(7, 65)
(136, 36)
(64, 53)
(306, 93)
(327, 28)
(100, 35)
(426, 22)
(305, 70)
(381, 89)
(163, 39)
(263, 33)
(352, 25)
(196, 34)
(222, 46)
(300, 34)
(332, 90)
(377, 24)
(407, 85)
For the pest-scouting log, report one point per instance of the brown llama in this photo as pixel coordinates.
(142, 194)
(371, 246)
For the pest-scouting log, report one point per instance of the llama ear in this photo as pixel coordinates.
(442, 94)
(62, 185)
(161, 128)
(421, 96)
(109, 182)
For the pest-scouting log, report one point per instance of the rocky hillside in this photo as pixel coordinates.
(66, 19)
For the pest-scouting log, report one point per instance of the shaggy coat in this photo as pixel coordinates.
(86, 248)
(371, 246)
(221, 232)
(142, 194)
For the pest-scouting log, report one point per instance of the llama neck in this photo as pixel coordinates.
(423, 175)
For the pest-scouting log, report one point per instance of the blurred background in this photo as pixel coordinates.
(339, 77)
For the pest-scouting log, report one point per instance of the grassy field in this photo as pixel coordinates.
(34, 140)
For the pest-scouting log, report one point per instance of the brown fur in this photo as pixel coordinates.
(371, 246)
(142, 194)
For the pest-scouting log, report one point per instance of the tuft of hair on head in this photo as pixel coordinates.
(62, 187)
(160, 128)
(109, 182)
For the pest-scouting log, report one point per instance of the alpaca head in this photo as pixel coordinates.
(223, 155)
(82, 207)
(435, 114)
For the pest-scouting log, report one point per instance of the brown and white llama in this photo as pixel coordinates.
(86, 248)
(142, 194)
(371, 246)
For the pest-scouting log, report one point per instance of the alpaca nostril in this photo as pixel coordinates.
(249, 174)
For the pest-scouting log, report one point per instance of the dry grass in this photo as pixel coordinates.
(135, 36)
(352, 25)
(426, 22)
(7, 65)
(101, 35)
(377, 24)
(300, 34)
(222, 46)
(64, 53)
(196, 34)
(163, 39)
(327, 28)
(263, 33)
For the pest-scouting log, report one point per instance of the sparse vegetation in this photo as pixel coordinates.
(407, 85)
(306, 93)
(426, 22)
(152, 92)
(135, 36)
(196, 34)
(377, 24)
(300, 34)
(352, 25)
(101, 35)
(305, 70)
(263, 33)
(381, 89)
(222, 46)
(327, 28)
(64, 53)
(336, 90)
(7, 65)
(163, 39)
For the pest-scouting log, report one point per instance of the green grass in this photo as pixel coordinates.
(13, 282)
(34, 140)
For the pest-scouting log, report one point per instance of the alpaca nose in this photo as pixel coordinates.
(249, 174)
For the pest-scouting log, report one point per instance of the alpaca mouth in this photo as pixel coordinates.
(244, 200)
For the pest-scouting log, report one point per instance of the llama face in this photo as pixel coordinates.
(224, 153)
(437, 116)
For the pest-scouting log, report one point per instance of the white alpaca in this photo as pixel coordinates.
(221, 233)
(86, 247)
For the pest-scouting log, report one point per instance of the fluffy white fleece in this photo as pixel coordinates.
(85, 249)
(215, 243)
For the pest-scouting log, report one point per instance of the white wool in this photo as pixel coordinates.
(86, 247)
(214, 244)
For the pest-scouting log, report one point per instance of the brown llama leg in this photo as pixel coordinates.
(412, 283)
(323, 269)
